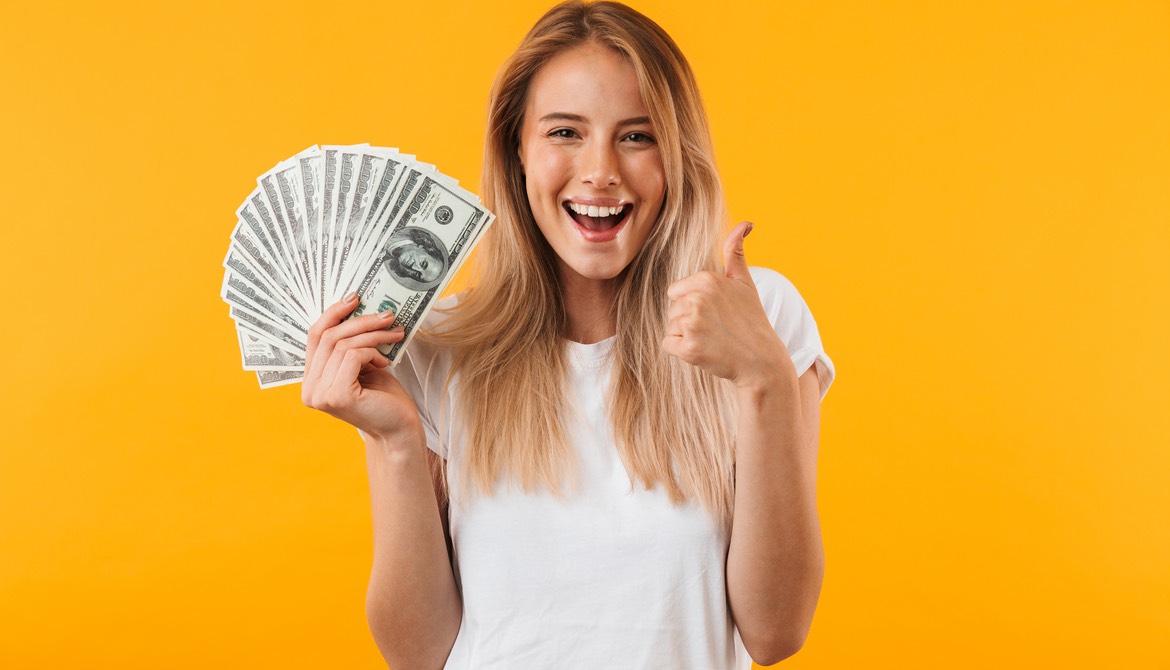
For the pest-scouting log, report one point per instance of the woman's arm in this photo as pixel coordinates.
(412, 605)
(776, 562)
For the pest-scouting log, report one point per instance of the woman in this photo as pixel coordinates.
(604, 454)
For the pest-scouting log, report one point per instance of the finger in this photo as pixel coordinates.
(679, 347)
(330, 318)
(696, 282)
(734, 262)
(371, 339)
(670, 345)
(351, 364)
(334, 365)
(678, 309)
(329, 339)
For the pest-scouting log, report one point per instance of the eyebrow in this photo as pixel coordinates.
(564, 116)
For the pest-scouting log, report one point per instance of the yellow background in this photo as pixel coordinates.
(974, 199)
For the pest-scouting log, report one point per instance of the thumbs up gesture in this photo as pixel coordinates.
(717, 323)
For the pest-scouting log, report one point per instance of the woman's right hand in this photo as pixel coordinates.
(346, 376)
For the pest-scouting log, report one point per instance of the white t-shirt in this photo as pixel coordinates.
(610, 577)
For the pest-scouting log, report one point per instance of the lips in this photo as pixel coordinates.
(598, 222)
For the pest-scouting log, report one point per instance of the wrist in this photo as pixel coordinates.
(395, 442)
(384, 460)
(777, 375)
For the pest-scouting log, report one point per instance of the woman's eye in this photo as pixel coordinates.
(563, 133)
(640, 138)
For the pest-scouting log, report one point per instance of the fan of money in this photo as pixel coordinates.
(336, 219)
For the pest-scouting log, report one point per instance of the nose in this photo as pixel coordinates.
(601, 168)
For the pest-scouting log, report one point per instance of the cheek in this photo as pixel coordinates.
(553, 169)
(547, 176)
(651, 177)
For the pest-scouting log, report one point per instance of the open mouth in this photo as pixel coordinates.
(602, 222)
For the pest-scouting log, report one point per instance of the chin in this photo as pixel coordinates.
(600, 271)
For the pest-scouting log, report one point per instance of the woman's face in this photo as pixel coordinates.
(592, 166)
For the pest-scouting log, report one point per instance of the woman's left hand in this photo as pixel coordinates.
(716, 321)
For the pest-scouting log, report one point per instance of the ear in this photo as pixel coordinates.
(520, 155)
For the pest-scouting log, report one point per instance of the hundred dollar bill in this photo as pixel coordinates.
(340, 162)
(288, 184)
(267, 211)
(247, 274)
(310, 166)
(339, 187)
(328, 206)
(271, 378)
(353, 185)
(261, 335)
(385, 181)
(369, 172)
(236, 291)
(267, 240)
(398, 179)
(332, 219)
(381, 220)
(429, 238)
(248, 260)
(247, 219)
(270, 330)
(259, 354)
(388, 181)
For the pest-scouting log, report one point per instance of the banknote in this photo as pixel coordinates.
(265, 212)
(289, 187)
(334, 219)
(426, 242)
(243, 294)
(329, 156)
(270, 378)
(354, 174)
(259, 354)
(285, 220)
(245, 259)
(310, 166)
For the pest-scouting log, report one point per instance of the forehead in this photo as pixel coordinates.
(591, 80)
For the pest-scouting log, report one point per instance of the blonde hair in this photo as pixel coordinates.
(672, 422)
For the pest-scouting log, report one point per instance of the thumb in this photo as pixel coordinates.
(734, 262)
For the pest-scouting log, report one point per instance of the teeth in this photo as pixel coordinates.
(590, 210)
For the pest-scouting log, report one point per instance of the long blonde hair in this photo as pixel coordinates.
(672, 422)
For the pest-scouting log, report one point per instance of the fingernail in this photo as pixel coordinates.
(350, 298)
(398, 329)
(388, 314)
(749, 229)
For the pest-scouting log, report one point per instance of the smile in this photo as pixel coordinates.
(598, 222)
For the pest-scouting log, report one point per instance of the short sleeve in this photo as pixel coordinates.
(422, 371)
(794, 323)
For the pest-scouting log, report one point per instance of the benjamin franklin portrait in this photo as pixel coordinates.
(416, 258)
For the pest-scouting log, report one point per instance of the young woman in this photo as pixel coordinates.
(603, 455)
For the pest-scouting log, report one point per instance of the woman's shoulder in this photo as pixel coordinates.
(772, 286)
(779, 296)
(793, 321)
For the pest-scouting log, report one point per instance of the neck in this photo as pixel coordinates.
(589, 307)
